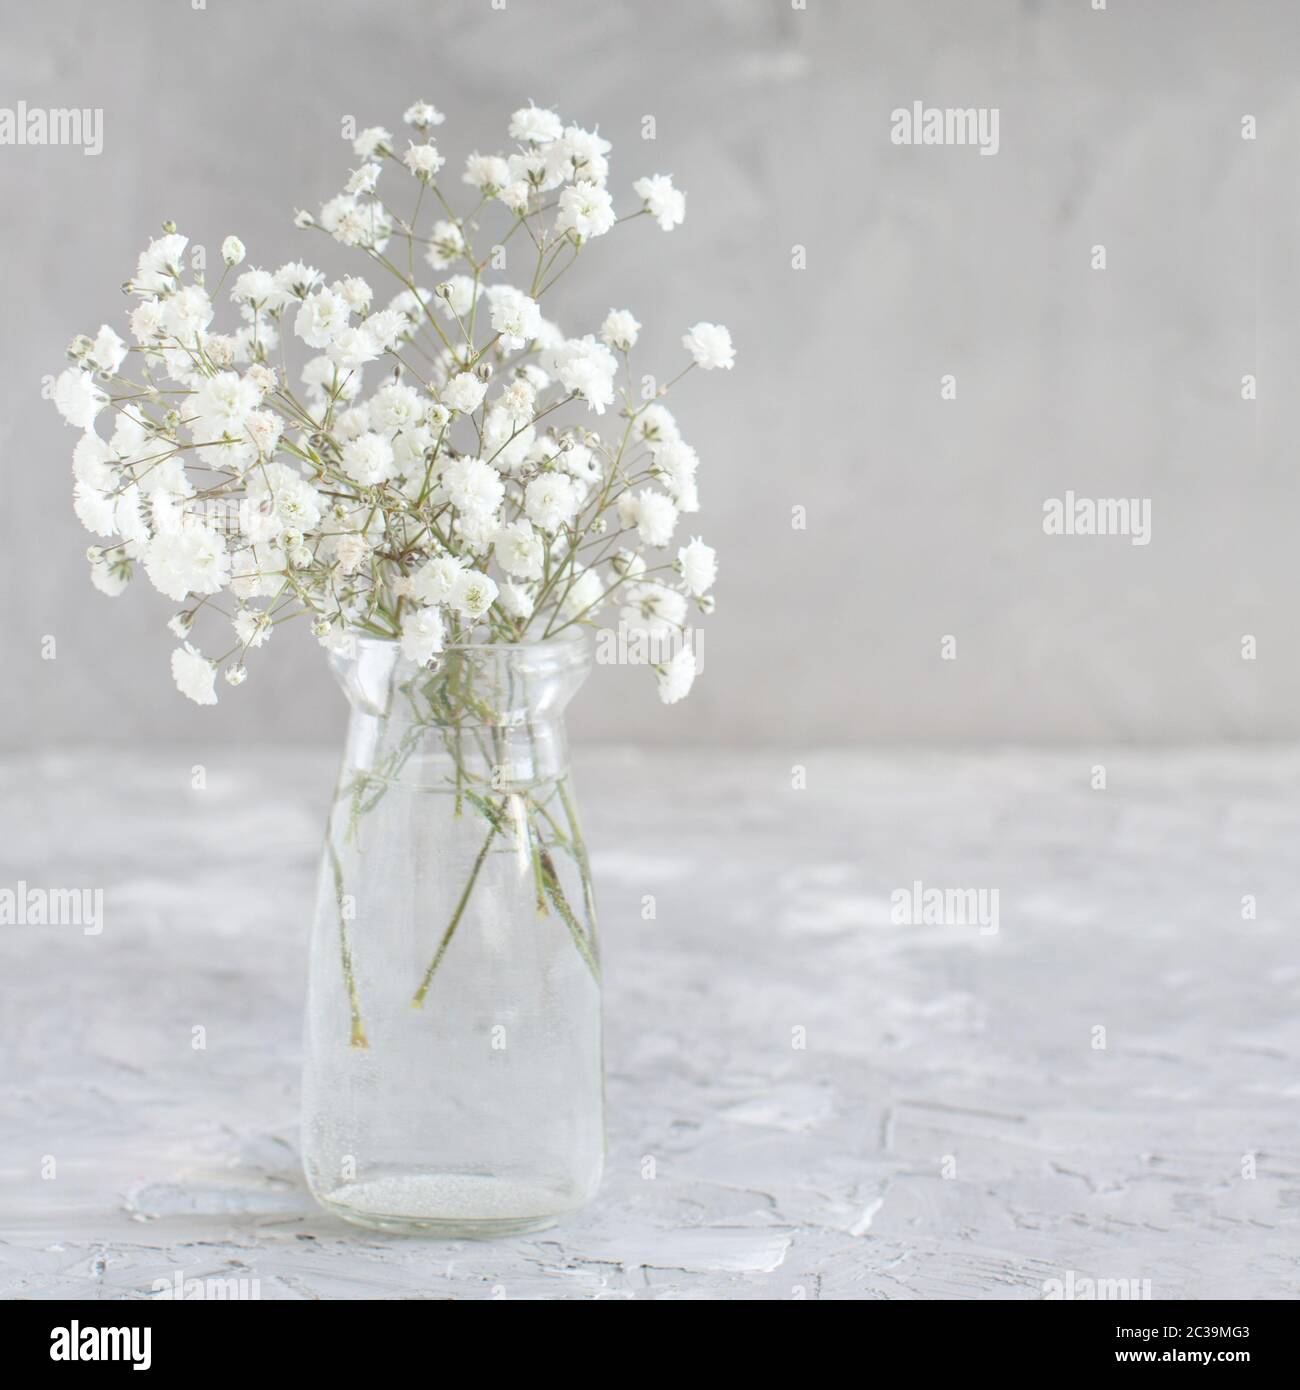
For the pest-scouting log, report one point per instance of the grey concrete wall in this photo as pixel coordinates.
(1119, 128)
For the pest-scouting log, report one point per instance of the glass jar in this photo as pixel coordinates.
(453, 1080)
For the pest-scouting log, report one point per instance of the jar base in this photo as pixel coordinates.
(452, 1206)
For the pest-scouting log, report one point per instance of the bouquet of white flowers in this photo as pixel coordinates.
(448, 534)
(449, 504)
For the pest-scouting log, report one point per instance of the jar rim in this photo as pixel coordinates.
(562, 641)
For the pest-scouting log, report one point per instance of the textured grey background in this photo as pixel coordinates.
(924, 516)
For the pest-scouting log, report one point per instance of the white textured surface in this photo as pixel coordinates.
(777, 1170)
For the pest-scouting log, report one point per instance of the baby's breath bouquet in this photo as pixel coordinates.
(426, 485)
(427, 473)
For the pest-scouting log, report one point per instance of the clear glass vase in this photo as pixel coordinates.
(452, 1078)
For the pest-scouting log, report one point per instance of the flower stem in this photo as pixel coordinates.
(418, 1001)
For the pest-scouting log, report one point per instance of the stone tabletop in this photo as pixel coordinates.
(1094, 1079)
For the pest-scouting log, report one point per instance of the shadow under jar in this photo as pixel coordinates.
(453, 1080)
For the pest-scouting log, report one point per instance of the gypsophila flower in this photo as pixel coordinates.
(423, 634)
(420, 114)
(108, 351)
(515, 316)
(620, 330)
(194, 675)
(446, 244)
(656, 517)
(464, 392)
(666, 204)
(551, 501)
(586, 210)
(698, 565)
(676, 676)
(535, 126)
(710, 345)
(486, 171)
(368, 459)
(472, 594)
(373, 140)
(423, 160)
(77, 397)
(232, 250)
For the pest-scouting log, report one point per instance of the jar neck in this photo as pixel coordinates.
(489, 716)
(432, 757)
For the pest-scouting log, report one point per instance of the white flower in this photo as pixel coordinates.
(350, 550)
(159, 266)
(372, 140)
(578, 154)
(356, 224)
(676, 462)
(222, 405)
(514, 315)
(520, 550)
(279, 499)
(587, 367)
(472, 594)
(535, 126)
(464, 392)
(656, 516)
(516, 600)
(253, 287)
(446, 244)
(505, 443)
(368, 459)
(395, 407)
(354, 347)
(676, 676)
(191, 559)
(654, 423)
(252, 627)
(421, 114)
(186, 314)
(294, 280)
(620, 329)
(423, 160)
(363, 180)
(433, 581)
(232, 250)
(195, 675)
(96, 510)
(473, 486)
(652, 608)
(388, 326)
(91, 462)
(551, 500)
(422, 635)
(586, 210)
(354, 292)
(146, 320)
(666, 204)
(518, 401)
(320, 318)
(108, 578)
(486, 171)
(698, 564)
(516, 196)
(710, 345)
(108, 351)
(77, 398)
(263, 429)
(584, 595)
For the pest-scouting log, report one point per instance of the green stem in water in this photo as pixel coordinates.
(358, 1037)
(418, 1001)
